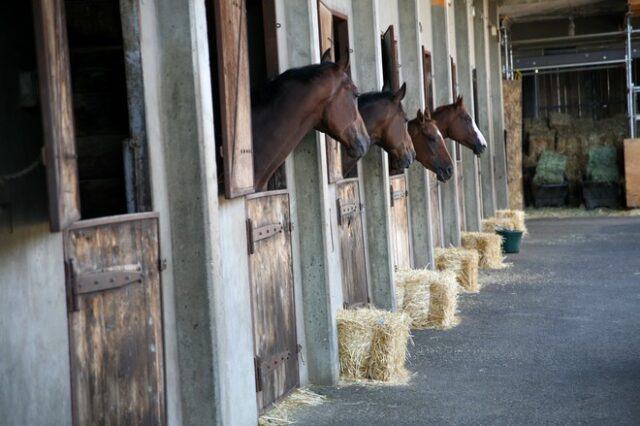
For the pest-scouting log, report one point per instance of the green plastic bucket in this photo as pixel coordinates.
(510, 240)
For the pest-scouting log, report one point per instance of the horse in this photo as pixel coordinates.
(428, 142)
(454, 122)
(385, 119)
(319, 96)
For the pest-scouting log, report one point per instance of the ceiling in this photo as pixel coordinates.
(535, 10)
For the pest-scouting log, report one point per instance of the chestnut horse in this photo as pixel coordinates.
(320, 96)
(385, 119)
(428, 142)
(455, 123)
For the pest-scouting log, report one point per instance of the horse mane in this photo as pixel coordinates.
(304, 75)
(443, 107)
(370, 97)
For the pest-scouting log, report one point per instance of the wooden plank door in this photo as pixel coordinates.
(115, 320)
(355, 288)
(459, 165)
(274, 317)
(400, 222)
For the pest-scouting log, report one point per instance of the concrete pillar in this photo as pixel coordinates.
(319, 272)
(440, 18)
(481, 45)
(418, 177)
(466, 62)
(495, 69)
(374, 167)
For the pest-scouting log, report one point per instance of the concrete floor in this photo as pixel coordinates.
(555, 339)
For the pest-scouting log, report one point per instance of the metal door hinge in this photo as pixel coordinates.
(391, 199)
(261, 233)
(346, 209)
(162, 264)
(258, 373)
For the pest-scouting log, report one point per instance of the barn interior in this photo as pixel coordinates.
(575, 60)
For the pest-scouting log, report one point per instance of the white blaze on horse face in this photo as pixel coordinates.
(440, 134)
(483, 142)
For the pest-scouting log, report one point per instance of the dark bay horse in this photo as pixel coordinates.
(385, 119)
(320, 96)
(428, 142)
(454, 122)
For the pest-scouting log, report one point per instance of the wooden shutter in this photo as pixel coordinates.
(57, 112)
(334, 153)
(400, 222)
(390, 68)
(427, 74)
(115, 321)
(235, 98)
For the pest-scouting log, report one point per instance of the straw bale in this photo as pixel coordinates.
(492, 224)
(372, 341)
(282, 413)
(389, 348)
(463, 262)
(559, 120)
(517, 217)
(541, 140)
(443, 301)
(512, 92)
(489, 247)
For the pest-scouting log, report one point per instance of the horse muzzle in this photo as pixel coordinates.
(479, 148)
(445, 173)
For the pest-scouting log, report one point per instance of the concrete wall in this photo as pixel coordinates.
(34, 353)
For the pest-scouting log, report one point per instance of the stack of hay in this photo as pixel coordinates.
(372, 344)
(551, 168)
(570, 144)
(489, 247)
(603, 165)
(463, 262)
(505, 219)
(430, 297)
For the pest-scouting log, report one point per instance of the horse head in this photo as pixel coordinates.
(340, 117)
(456, 123)
(386, 124)
(428, 142)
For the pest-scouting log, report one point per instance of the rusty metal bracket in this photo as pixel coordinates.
(391, 199)
(262, 233)
(346, 209)
(90, 282)
(265, 367)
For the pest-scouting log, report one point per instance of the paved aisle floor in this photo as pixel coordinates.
(555, 339)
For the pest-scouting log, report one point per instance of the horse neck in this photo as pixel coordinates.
(442, 121)
(278, 127)
(348, 162)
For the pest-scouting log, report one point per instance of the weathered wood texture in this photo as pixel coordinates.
(436, 211)
(632, 171)
(117, 365)
(57, 112)
(334, 153)
(390, 66)
(355, 288)
(400, 222)
(427, 73)
(235, 97)
(512, 93)
(274, 319)
(459, 175)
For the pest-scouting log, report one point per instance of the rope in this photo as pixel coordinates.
(12, 176)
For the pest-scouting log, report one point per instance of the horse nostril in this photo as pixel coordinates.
(449, 171)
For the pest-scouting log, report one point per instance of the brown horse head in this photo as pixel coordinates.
(386, 124)
(340, 117)
(429, 144)
(454, 122)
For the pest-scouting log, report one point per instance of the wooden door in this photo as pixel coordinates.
(334, 153)
(355, 289)
(436, 211)
(400, 222)
(274, 318)
(390, 65)
(115, 320)
(458, 148)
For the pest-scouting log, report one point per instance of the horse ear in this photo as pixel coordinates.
(326, 56)
(399, 95)
(419, 115)
(459, 100)
(427, 112)
(343, 63)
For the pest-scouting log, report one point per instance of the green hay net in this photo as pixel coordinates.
(550, 169)
(603, 164)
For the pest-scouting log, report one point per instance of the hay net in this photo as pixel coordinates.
(551, 169)
(603, 164)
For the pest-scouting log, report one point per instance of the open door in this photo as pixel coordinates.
(400, 231)
(272, 293)
(115, 320)
(355, 288)
(459, 165)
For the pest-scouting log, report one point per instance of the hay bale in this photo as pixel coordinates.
(559, 120)
(603, 164)
(463, 263)
(517, 218)
(362, 336)
(430, 297)
(283, 412)
(541, 140)
(492, 224)
(550, 169)
(489, 247)
(389, 348)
